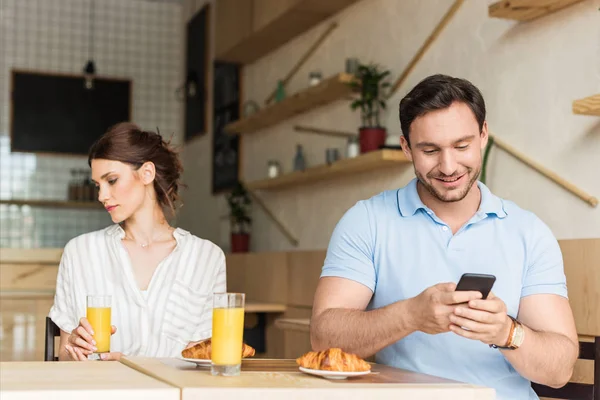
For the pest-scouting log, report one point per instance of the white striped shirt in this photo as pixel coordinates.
(175, 310)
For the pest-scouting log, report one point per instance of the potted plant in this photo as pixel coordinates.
(370, 82)
(239, 209)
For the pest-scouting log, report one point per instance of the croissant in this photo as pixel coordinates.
(333, 359)
(202, 350)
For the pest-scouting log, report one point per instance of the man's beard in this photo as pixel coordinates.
(449, 196)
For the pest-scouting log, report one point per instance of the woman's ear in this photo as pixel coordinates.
(147, 172)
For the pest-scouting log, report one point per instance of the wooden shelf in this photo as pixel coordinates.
(328, 90)
(588, 106)
(92, 205)
(290, 22)
(526, 10)
(365, 162)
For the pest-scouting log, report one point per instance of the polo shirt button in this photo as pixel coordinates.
(444, 228)
(429, 212)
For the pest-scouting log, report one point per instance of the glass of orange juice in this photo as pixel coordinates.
(98, 315)
(227, 334)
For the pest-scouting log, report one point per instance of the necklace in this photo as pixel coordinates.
(142, 245)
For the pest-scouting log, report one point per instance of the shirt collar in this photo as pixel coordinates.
(409, 201)
(117, 231)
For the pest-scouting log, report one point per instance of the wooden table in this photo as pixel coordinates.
(79, 380)
(264, 379)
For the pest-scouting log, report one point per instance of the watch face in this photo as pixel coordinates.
(519, 335)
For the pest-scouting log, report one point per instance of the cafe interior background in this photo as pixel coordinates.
(200, 70)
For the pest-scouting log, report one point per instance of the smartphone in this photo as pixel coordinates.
(477, 282)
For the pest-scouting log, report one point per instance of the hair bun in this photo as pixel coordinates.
(127, 143)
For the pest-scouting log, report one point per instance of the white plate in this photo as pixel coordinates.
(333, 374)
(198, 361)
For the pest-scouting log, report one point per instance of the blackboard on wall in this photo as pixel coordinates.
(196, 74)
(226, 104)
(57, 114)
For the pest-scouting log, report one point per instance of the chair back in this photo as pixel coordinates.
(52, 331)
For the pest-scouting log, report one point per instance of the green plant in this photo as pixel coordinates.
(371, 83)
(239, 209)
(486, 155)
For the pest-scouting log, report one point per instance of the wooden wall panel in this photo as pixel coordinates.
(23, 321)
(44, 256)
(262, 276)
(582, 268)
(28, 277)
(304, 270)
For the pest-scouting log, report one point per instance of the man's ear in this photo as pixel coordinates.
(406, 148)
(147, 172)
(484, 135)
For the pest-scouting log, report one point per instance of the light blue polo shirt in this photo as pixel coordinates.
(397, 247)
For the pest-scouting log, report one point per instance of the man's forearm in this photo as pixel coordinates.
(363, 333)
(544, 357)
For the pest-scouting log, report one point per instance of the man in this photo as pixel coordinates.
(387, 285)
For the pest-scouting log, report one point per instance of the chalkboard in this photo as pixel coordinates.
(196, 68)
(57, 114)
(226, 109)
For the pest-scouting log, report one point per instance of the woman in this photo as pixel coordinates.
(161, 278)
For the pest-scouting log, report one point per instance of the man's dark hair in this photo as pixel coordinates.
(437, 92)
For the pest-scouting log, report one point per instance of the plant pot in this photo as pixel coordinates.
(240, 242)
(371, 138)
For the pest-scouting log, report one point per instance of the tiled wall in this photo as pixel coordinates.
(136, 39)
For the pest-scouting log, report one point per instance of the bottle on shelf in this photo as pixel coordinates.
(299, 160)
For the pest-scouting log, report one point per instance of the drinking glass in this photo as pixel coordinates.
(227, 334)
(98, 315)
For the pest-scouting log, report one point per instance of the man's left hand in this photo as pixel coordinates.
(484, 320)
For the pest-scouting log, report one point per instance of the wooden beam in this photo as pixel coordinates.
(302, 60)
(526, 10)
(270, 214)
(434, 34)
(587, 106)
(591, 200)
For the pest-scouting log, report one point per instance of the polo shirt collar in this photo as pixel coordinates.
(409, 201)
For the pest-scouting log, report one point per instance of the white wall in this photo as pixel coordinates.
(529, 74)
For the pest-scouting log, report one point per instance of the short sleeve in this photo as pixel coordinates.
(350, 250)
(63, 312)
(204, 329)
(545, 272)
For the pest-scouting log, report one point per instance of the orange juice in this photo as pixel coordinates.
(99, 318)
(227, 336)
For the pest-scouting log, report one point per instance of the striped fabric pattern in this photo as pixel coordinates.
(175, 309)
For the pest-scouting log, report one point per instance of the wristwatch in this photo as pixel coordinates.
(515, 337)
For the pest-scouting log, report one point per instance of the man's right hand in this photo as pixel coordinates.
(432, 308)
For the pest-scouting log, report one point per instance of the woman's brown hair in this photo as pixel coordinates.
(128, 143)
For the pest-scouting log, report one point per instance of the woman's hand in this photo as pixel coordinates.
(81, 343)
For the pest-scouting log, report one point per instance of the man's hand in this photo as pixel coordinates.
(484, 320)
(432, 308)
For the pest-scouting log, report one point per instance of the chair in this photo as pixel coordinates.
(577, 391)
(52, 331)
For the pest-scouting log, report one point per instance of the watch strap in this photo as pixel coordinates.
(515, 336)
